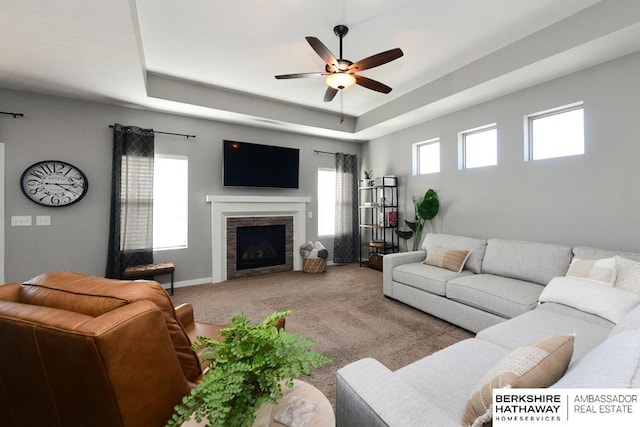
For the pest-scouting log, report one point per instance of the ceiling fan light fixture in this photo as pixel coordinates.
(340, 80)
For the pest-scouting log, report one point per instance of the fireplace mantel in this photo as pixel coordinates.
(223, 207)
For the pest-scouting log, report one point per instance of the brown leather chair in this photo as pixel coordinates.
(78, 350)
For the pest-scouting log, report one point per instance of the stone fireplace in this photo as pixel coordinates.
(259, 245)
(254, 211)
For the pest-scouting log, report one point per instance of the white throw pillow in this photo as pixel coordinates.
(607, 302)
(596, 270)
(628, 274)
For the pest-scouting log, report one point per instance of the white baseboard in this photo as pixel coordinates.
(185, 283)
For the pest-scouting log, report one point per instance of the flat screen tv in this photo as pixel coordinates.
(257, 165)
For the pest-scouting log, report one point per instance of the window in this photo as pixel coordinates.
(478, 147)
(426, 157)
(555, 133)
(170, 202)
(326, 202)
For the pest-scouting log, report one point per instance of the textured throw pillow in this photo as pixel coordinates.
(451, 259)
(596, 270)
(540, 364)
(628, 274)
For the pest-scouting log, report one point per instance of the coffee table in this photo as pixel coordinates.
(323, 418)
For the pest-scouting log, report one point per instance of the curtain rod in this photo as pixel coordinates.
(12, 114)
(330, 153)
(168, 133)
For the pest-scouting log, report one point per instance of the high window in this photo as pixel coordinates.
(478, 147)
(426, 157)
(170, 202)
(555, 133)
(326, 202)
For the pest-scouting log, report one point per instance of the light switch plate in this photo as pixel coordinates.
(43, 220)
(21, 221)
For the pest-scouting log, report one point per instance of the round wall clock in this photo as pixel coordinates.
(54, 183)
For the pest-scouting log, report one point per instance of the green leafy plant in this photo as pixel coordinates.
(425, 210)
(368, 174)
(248, 368)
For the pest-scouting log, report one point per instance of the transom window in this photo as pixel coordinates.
(426, 157)
(478, 147)
(555, 133)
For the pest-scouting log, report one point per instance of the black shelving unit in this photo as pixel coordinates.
(378, 216)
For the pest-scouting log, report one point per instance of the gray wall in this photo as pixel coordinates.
(591, 199)
(77, 132)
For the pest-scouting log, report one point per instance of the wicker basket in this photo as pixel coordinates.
(375, 261)
(314, 265)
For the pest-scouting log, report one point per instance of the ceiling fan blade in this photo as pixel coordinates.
(300, 75)
(372, 84)
(377, 59)
(322, 50)
(330, 94)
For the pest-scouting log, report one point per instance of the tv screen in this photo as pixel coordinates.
(257, 165)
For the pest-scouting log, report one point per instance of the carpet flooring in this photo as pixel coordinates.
(342, 309)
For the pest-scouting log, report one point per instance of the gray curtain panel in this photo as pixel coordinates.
(345, 246)
(131, 221)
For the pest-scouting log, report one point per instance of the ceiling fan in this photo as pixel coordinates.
(341, 73)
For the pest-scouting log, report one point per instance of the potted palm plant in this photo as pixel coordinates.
(425, 210)
(248, 368)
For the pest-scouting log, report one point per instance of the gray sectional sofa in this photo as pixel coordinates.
(502, 295)
(501, 279)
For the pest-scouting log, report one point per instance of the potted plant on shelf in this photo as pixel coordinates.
(425, 210)
(248, 370)
(368, 180)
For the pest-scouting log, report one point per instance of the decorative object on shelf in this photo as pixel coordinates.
(425, 210)
(54, 183)
(368, 178)
(248, 369)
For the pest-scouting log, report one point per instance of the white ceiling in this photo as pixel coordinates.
(217, 60)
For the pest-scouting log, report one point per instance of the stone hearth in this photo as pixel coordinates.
(224, 208)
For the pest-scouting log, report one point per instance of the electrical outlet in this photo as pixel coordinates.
(21, 221)
(43, 220)
(310, 214)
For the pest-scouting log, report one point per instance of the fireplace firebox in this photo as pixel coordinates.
(260, 246)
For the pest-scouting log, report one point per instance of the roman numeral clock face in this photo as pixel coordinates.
(54, 183)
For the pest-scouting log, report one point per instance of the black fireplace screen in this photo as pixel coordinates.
(260, 246)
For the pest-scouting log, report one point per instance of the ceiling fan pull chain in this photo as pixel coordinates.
(341, 107)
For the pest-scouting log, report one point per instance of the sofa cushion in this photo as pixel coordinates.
(446, 379)
(541, 322)
(451, 259)
(496, 294)
(615, 363)
(425, 277)
(605, 301)
(587, 252)
(448, 241)
(539, 364)
(631, 320)
(530, 261)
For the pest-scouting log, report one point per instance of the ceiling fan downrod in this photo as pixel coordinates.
(340, 31)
